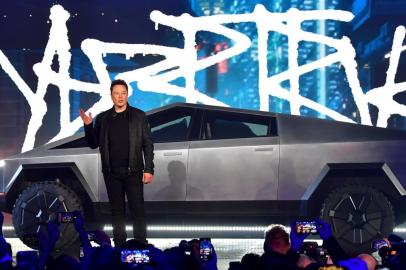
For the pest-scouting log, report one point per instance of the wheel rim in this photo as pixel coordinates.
(38, 209)
(357, 218)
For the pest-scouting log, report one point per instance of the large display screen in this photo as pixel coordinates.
(333, 59)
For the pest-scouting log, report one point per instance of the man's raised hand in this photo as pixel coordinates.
(87, 119)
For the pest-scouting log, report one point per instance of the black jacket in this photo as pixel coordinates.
(140, 141)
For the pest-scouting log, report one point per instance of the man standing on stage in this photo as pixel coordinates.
(123, 136)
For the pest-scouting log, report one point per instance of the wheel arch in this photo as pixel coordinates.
(66, 173)
(377, 175)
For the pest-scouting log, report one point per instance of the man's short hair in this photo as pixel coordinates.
(275, 235)
(118, 82)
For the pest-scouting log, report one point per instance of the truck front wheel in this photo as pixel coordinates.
(39, 203)
(358, 215)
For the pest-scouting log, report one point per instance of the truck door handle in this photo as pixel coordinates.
(171, 154)
(264, 149)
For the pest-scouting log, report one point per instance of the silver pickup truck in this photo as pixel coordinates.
(216, 164)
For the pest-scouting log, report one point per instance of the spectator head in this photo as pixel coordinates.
(102, 238)
(103, 258)
(134, 244)
(369, 260)
(276, 239)
(63, 262)
(251, 261)
(176, 257)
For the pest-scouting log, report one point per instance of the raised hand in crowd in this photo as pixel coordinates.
(296, 239)
(79, 226)
(6, 259)
(102, 238)
(211, 263)
(47, 242)
(324, 229)
(158, 258)
(202, 262)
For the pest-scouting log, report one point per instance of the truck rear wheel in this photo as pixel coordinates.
(39, 203)
(358, 215)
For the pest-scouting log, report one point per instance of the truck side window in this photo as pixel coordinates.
(225, 125)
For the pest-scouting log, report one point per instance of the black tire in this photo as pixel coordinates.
(40, 202)
(358, 215)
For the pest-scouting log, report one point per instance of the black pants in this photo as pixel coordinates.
(118, 184)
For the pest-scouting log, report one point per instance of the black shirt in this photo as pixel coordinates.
(118, 140)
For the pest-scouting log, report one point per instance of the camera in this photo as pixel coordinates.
(136, 256)
(206, 249)
(304, 227)
(314, 251)
(91, 235)
(392, 251)
(377, 244)
(66, 217)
